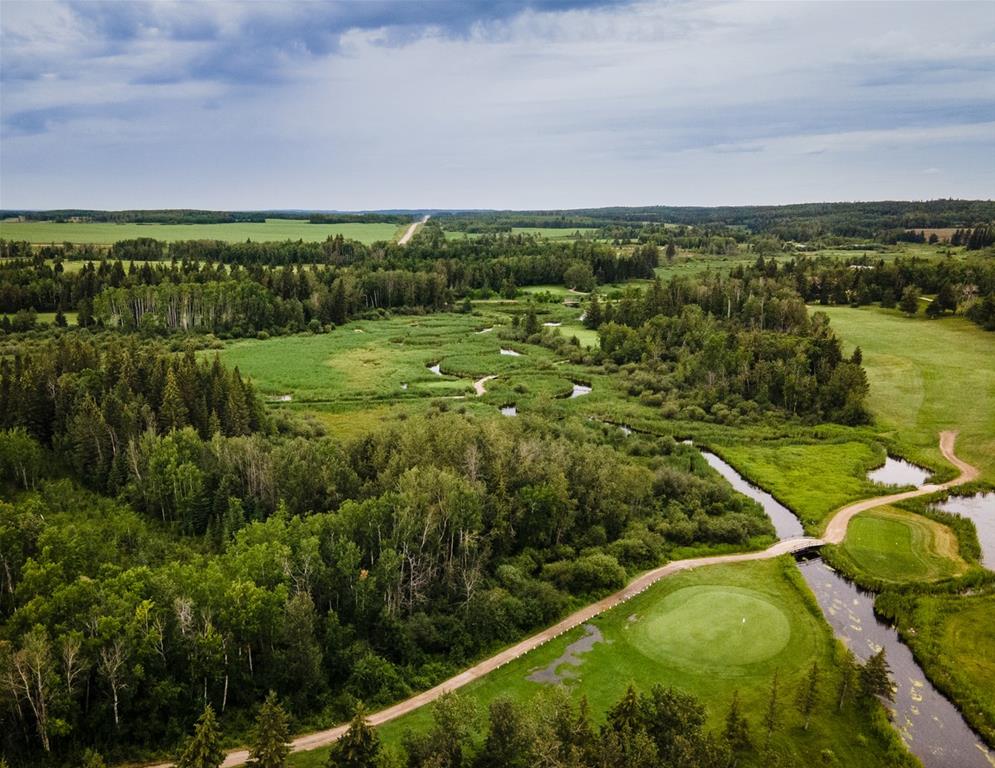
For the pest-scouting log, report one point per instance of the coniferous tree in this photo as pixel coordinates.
(849, 669)
(173, 411)
(203, 749)
(737, 728)
(808, 694)
(359, 746)
(875, 677)
(772, 717)
(270, 743)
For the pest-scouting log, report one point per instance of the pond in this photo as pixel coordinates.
(979, 508)
(898, 472)
(786, 525)
(931, 726)
(509, 410)
(580, 390)
(552, 325)
(436, 369)
(510, 352)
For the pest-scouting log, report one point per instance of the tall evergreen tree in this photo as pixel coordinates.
(737, 728)
(270, 741)
(772, 717)
(875, 677)
(203, 748)
(173, 411)
(359, 746)
(808, 694)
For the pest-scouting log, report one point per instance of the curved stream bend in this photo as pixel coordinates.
(834, 534)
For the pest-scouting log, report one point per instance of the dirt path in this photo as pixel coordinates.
(835, 532)
(409, 233)
(836, 528)
(478, 385)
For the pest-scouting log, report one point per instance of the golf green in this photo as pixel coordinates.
(713, 629)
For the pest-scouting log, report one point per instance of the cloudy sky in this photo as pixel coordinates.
(504, 104)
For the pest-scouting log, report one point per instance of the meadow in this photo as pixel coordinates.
(711, 631)
(548, 233)
(105, 233)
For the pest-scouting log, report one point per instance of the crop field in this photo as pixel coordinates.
(711, 631)
(894, 546)
(927, 376)
(104, 233)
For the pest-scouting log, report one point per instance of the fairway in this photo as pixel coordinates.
(105, 233)
(927, 376)
(895, 546)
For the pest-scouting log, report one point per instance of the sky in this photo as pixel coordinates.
(512, 104)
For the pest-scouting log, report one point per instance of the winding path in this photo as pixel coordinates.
(478, 385)
(410, 231)
(835, 533)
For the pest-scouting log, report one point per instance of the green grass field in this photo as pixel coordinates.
(893, 546)
(549, 233)
(273, 229)
(710, 631)
(813, 479)
(927, 376)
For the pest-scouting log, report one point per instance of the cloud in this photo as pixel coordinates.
(506, 104)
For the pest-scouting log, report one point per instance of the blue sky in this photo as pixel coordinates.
(506, 104)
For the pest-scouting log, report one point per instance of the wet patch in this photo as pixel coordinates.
(570, 657)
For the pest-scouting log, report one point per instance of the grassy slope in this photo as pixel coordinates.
(709, 631)
(272, 229)
(894, 546)
(927, 376)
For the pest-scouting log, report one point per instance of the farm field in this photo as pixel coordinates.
(926, 376)
(548, 233)
(104, 233)
(710, 632)
(893, 546)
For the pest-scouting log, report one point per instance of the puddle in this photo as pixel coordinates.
(980, 509)
(899, 472)
(486, 330)
(571, 653)
(436, 369)
(509, 410)
(580, 390)
(404, 386)
(510, 352)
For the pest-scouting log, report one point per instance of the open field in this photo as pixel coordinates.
(893, 546)
(811, 478)
(273, 229)
(710, 631)
(549, 233)
(927, 376)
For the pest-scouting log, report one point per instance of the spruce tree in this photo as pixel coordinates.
(848, 678)
(270, 743)
(875, 679)
(808, 694)
(203, 749)
(173, 411)
(359, 746)
(737, 728)
(772, 717)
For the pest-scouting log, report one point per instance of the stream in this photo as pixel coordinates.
(980, 509)
(928, 723)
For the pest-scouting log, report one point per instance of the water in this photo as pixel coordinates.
(570, 657)
(786, 525)
(486, 330)
(625, 430)
(552, 325)
(899, 472)
(404, 386)
(979, 508)
(931, 726)
(436, 369)
(510, 352)
(509, 410)
(580, 390)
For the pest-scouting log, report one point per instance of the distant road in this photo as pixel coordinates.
(411, 230)
(835, 533)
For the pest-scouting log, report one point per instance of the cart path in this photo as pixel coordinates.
(835, 533)
(478, 385)
(410, 231)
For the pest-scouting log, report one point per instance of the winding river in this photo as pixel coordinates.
(929, 724)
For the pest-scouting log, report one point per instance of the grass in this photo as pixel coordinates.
(813, 479)
(48, 318)
(710, 631)
(549, 233)
(892, 546)
(927, 376)
(104, 233)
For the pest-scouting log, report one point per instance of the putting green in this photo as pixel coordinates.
(713, 630)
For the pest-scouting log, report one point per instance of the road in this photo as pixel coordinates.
(835, 533)
(410, 231)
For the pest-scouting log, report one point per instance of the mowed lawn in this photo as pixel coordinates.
(105, 233)
(927, 376)
(711, 631)
(895, 546)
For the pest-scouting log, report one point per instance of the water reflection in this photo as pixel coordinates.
(979, 508)
(898, 472)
